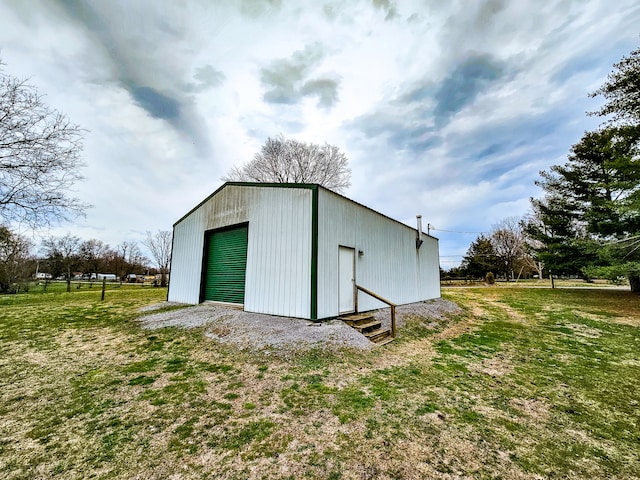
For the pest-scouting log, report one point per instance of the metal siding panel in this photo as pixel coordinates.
(430, 276)
(279, 252)
(229, 207)
(391, 265)
(186, 260)
(333, 230)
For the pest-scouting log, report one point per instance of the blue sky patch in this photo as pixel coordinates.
(463, 85)
(157, 104)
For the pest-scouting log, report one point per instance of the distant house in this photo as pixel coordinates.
(297, 250)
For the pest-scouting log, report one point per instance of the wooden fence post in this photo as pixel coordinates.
(104, 286)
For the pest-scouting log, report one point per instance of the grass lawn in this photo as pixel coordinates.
(526, 383)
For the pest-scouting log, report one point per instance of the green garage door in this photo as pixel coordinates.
(226, 265)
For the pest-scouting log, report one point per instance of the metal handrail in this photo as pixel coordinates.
(382, 299)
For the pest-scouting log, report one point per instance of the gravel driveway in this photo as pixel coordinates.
(255, 331)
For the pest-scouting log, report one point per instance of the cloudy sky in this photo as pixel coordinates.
(448, 109)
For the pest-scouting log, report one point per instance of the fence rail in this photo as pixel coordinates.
(461, 281)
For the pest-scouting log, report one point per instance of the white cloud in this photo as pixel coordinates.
(173, 95)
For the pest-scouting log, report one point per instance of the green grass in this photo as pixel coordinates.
(535, 383)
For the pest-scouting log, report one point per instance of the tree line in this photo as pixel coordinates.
(68, 255)
(587, 222)
(506, 251)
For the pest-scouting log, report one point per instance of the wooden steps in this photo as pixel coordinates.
(367, 325)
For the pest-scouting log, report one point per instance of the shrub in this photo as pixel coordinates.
(490, 279)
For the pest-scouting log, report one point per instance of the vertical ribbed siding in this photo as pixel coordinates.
(391, 266)
(279, 252)
(186, 259)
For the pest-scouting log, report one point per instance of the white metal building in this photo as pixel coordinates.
(297, 250)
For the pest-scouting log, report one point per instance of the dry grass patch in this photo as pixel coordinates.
(497, 366)
(501, 388)
(536, 409)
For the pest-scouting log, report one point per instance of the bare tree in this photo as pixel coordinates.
(132, 258)
(15, 251)
(39, 157)
(64, 249)
(508, 240)
(93, 254)
(159, 244)
(291, 161)
(530, 223)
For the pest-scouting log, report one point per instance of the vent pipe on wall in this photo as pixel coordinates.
(419, 237)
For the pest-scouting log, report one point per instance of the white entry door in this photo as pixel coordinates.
(346, 279)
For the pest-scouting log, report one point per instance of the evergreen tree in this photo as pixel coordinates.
(589, 218)
(621, 92)
(480, 258)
